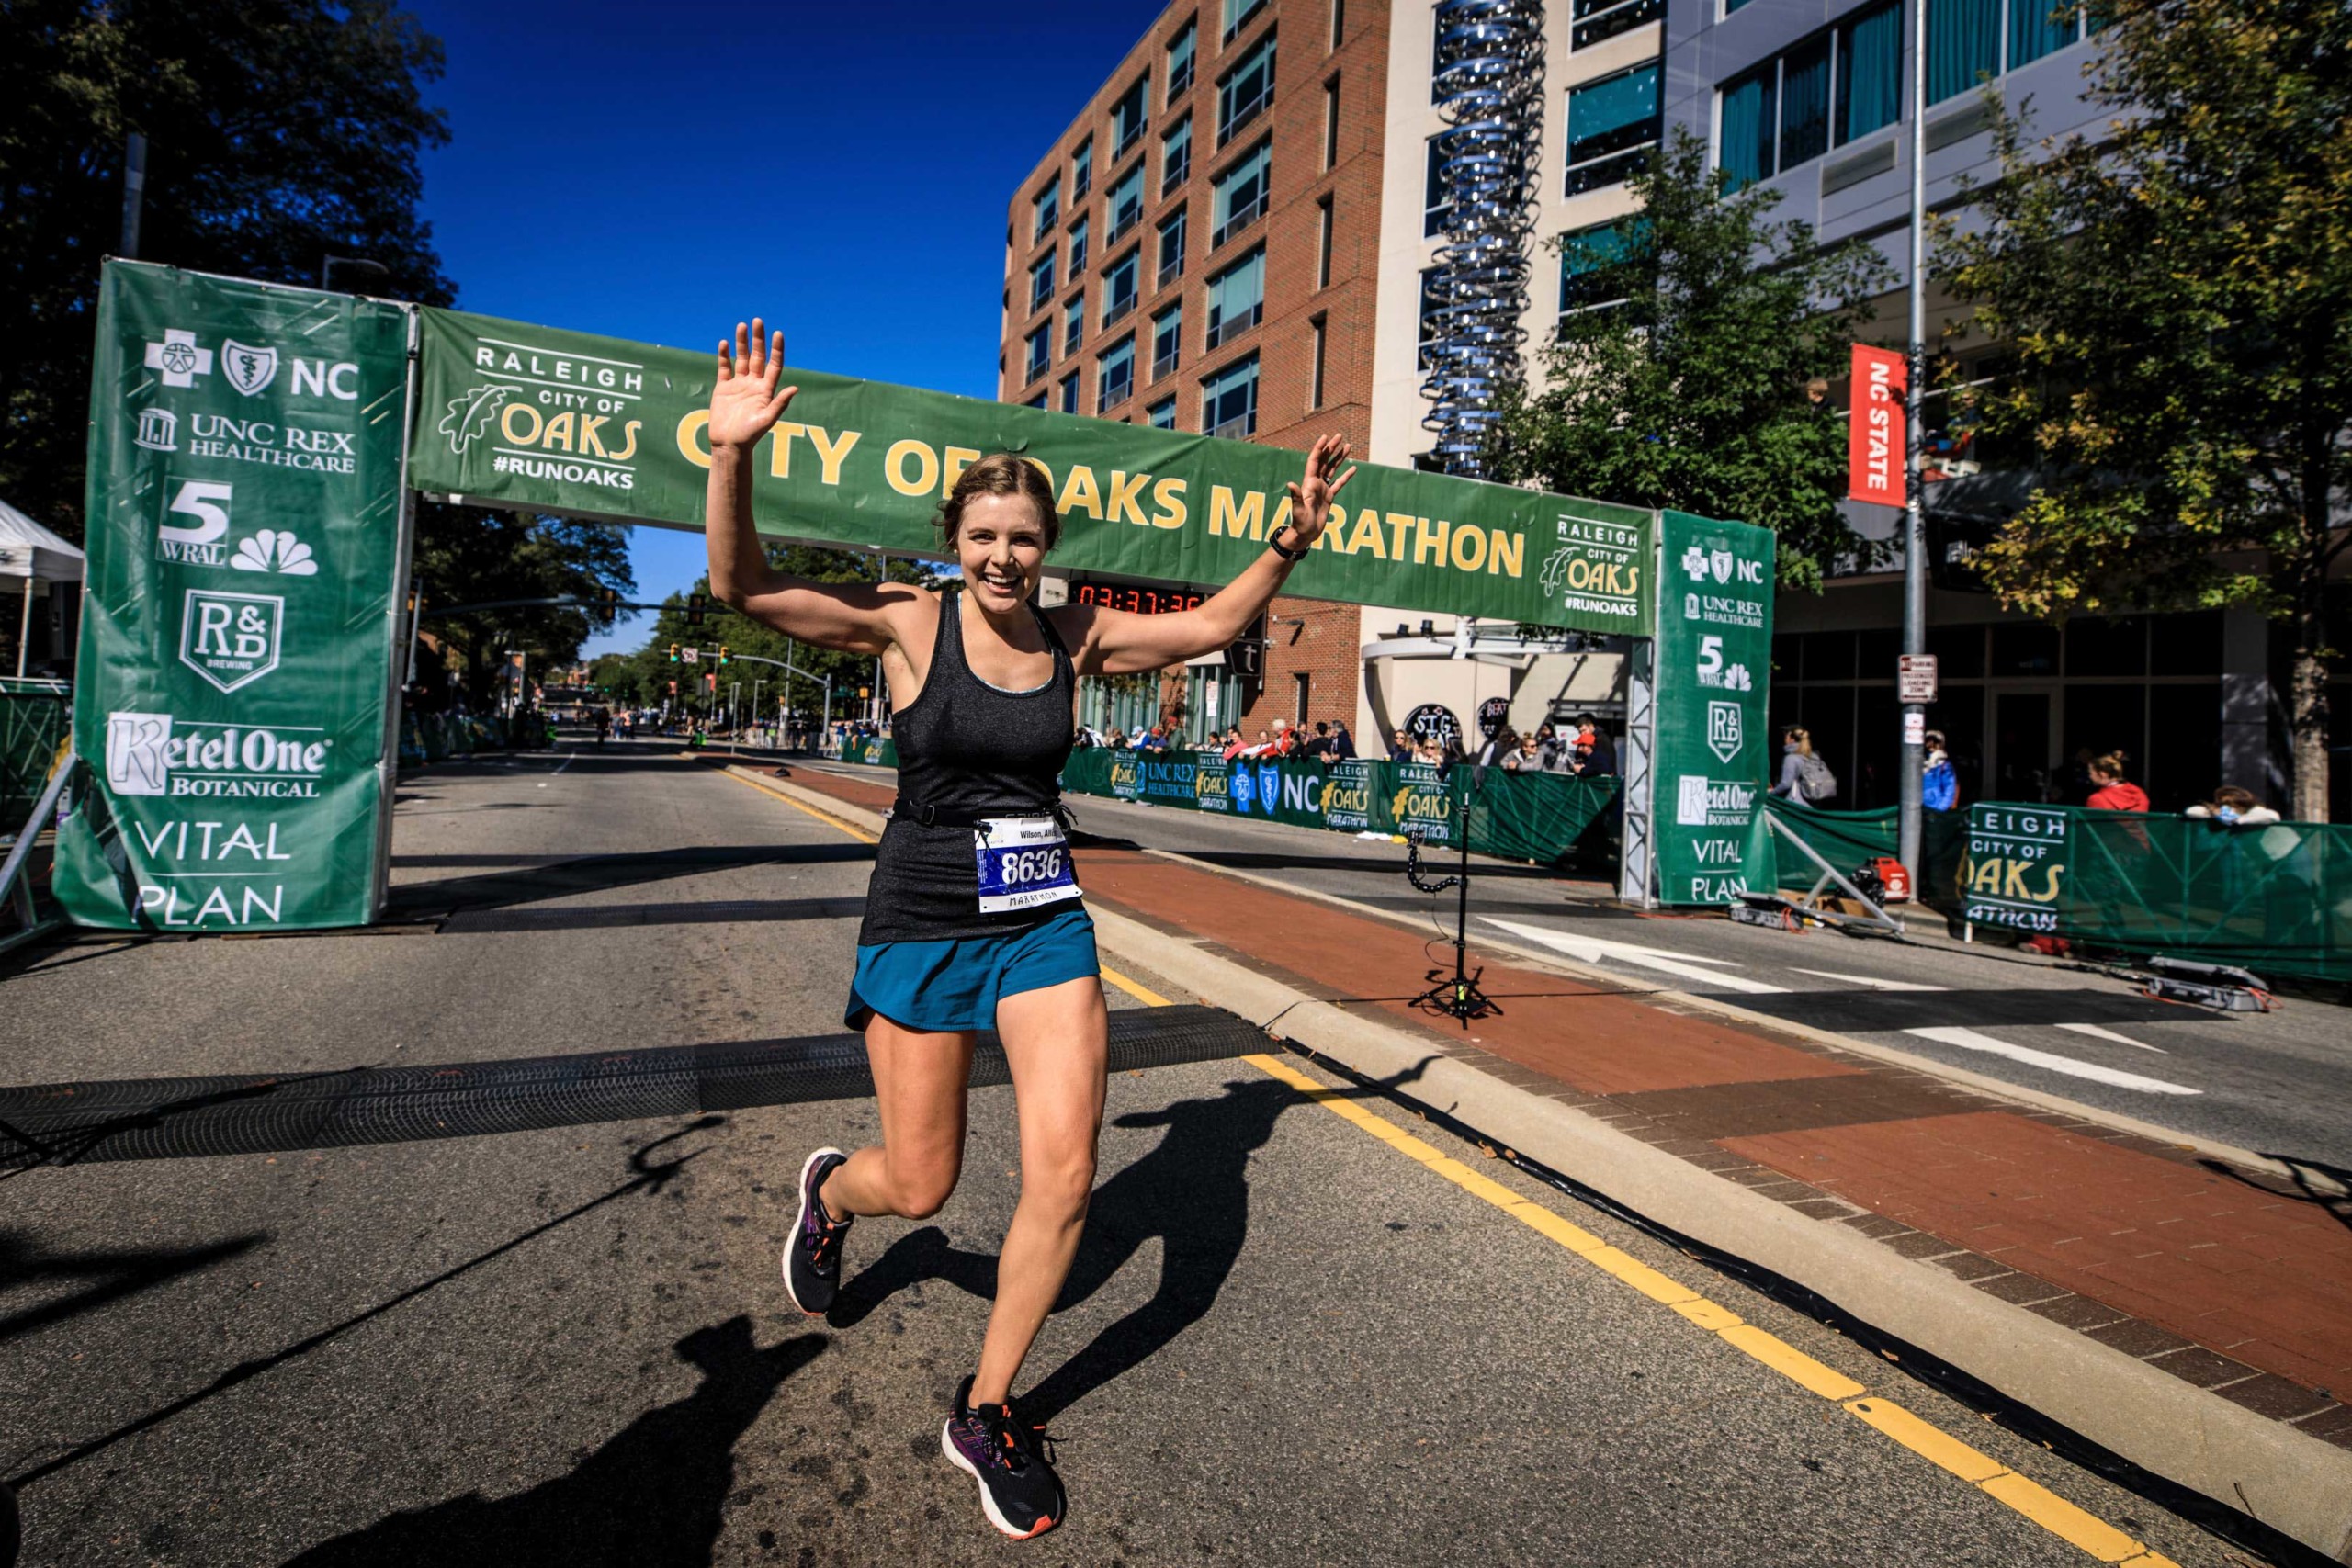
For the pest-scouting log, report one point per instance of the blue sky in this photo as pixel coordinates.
(656, 171)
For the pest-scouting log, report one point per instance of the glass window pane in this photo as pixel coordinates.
(1180, 60)
(1130, 113)
(2037, 28)
(1229, 400)
(1081, 168)
(1078, 247)
(1041, 282)
(1041, 345)
(1048, 209)
(1585, 256)
(1236, 297)
(1246, 89)
(1432, 301)
(1171, 249)
(1176, 157)
(1963, 45)
(1615, 112)
(1869, 74)
(1435, 208)
(1745, 149)
(1240, 195)
(1125, 202)
(1804, 103)
(1163, 414)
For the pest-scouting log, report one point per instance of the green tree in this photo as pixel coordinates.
(279, 131)
(1689, 367)
(467, 556)
(2179, 297)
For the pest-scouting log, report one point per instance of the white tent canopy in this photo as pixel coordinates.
(30, 551)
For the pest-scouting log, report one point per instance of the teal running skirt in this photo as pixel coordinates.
(955, 985)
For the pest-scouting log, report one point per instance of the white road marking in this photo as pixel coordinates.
(1969, 1040)
(1595, 950)
(2095, 1032)
(1871, 981)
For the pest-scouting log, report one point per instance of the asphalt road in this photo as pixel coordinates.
(1286, 1342)
(2277, 1083)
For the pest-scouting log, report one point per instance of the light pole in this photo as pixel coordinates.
(757, 681)
(1914, 525)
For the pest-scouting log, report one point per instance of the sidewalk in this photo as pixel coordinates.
(2230, 1279)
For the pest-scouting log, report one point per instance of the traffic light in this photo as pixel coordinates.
(697, 606)
(722, 656)
(674, 653)
(609, 604)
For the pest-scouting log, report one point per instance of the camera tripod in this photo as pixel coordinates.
(1456, 995)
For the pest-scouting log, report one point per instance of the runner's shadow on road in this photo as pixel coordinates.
(1191, 1191)
(653, 1497)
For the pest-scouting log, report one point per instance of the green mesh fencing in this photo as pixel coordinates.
(1538, 816)
(2277, 899)
(32, 726)
(1850, 839)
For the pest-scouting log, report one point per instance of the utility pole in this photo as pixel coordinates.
(1914, 523)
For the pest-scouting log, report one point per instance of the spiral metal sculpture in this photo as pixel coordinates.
(1489, 73)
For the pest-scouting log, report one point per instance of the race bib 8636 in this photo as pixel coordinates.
(1024, 861)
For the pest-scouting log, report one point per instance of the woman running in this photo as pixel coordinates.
(973, 917)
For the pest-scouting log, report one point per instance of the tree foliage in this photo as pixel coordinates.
(2179, 297)
(465, 554)
(1680, 374)
(279, 131)
(645, 676)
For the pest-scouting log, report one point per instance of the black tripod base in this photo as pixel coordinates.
(1457, 996)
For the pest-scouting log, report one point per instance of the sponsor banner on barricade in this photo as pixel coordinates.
(244, 519)
(1714, 664)
(2017, 864)
(543, 419)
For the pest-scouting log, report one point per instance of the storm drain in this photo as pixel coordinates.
(176, 1118)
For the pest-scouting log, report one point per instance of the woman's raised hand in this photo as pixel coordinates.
(1310, 501)
(744, 403)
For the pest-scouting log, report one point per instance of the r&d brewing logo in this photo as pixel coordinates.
(152, 753)
(231, 639)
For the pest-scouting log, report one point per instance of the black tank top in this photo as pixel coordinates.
(966, 749)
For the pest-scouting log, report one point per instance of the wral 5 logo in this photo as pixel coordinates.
(154, 753)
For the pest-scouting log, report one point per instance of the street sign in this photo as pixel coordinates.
(1914, 678)
(691, 655)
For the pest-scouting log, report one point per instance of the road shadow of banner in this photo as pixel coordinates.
(1530, 816)
(545, 421)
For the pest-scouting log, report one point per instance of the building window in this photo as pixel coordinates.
(1237, 297)
(1048, 204)
(1041, 281)
(1315, 373)
(1964, 46)
(1323, 225)
(1036, 403)
(1600, 20)
(1804, 103)
(1432, 304)
(1180, 60)
(1237, 13)
(1437, 53)
(1081, 169)
(1229, 400)
(1078, 247)
(1167, 339)
(1114, 376)
(1119, 286)
(1161, 415)
(1330, 122)
(1123, 204)
(1869, 72)
(1171, 249)
(1073, 322)
(1586, 257)
(1302, 686)
(1070, 393)
(1041, 352)
(1246, 91)
(1239, 196)
(1176, 156)
(1744, 141)
(1437, 212)
(2036, 30)
(1129, 114)
(1339, 22)
(1612, 125)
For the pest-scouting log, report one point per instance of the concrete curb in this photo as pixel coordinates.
(2247, 1462)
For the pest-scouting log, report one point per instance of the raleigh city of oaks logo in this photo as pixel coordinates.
(179, 358)
(1722, 730)
(231, 639)
(159, 430)
(1597, 568)
(249, 369)
(548, 415)
(153, 753)
(470, 414)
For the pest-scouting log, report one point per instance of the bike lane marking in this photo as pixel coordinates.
(2075, 1526)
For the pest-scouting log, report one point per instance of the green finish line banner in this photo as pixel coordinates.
(1715, 671)
(540, 420)
(244, 549)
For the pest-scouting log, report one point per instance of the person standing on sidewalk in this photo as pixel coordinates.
(974, 917)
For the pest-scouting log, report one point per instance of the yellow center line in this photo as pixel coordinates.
(2029, 1498)
(860, 834)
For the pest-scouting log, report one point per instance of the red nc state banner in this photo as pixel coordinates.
(1874, 435)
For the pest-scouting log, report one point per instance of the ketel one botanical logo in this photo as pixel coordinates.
(1722, 730)
(153, 753)
(231, 639)
(179, 358)
(249, 369)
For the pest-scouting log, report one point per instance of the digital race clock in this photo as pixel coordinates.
(1142, 599)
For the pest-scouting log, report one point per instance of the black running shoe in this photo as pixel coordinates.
(1019, 1491)
(812, 1259)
